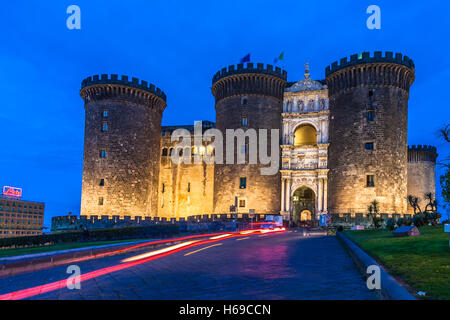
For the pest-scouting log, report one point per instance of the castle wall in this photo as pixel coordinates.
(136, 168)
(130, 169)
(188, 188)
(379, 85)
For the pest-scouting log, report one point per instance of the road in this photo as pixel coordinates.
(284, 265)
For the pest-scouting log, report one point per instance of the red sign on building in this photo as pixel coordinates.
(12, 192)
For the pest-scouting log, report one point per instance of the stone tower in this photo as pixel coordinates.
(121, 146)
(368, 132)
(247, 97)
(421, 173)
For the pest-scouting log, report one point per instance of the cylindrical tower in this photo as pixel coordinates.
(368, 132)
(248, 98)
(421, 173)
(121, 146)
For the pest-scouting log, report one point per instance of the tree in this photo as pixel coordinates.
(445, 178)
(431, 206)
(414, 202)
(445, 133)
(445, 184)
(373, 210)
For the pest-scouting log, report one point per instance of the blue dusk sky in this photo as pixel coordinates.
(178, 46)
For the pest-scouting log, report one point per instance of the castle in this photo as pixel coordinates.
(343, 144)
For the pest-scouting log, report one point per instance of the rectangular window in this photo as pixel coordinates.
(163, 187)
(244, 121)
(370, 115)
(105, 113)
(243, 183)
(370, 181)
(103, 153)
(189, 187)
(104, 126)
(369, 145)
(102, 182)
(241, 203)
(100, 201)
(244, 101)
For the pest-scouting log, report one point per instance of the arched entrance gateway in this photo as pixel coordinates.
(304, 206)
(304, 152)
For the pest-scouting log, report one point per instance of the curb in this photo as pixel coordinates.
(390, 288)
(39, 263)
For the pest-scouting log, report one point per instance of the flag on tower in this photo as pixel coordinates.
(280, 57)
(246, 58)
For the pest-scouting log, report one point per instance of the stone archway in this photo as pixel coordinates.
(304, 206)
(305, 134)
(305, 215)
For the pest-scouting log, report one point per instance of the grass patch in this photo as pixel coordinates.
(422, 262)
(55, 247)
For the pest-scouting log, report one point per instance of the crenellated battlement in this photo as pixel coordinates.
(100, 87)
(262, 80)
(93, 222)
(388, 71)
(250, 68)
(422, 148)
(419, 153)
(123, 81)
(365, 58)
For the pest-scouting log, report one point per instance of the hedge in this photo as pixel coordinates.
(159, 230)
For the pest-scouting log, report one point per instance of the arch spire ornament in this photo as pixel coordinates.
(306, 84)
(307, 74)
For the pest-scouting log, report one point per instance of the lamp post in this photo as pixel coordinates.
(447, 229)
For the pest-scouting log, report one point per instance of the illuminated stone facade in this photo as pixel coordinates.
(121, 146)
(184, 189)
(343, 144)
(421, 173)
(368, 132)
(304, 160)
(247, 98)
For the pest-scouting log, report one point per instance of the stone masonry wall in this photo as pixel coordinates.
(263, 191)
(130, 170)
(354, 91)
(188, 188)
(421, 174)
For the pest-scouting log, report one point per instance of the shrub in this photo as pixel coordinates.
(404, 222)
(390, 224)
(434, 217)
(420, 220)
(377, 222)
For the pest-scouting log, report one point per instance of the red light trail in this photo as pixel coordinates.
(30, 292)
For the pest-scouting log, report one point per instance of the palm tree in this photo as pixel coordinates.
(373, 211)
(374, 204)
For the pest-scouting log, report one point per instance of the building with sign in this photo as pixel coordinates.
(343, 144)
(19, 217)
